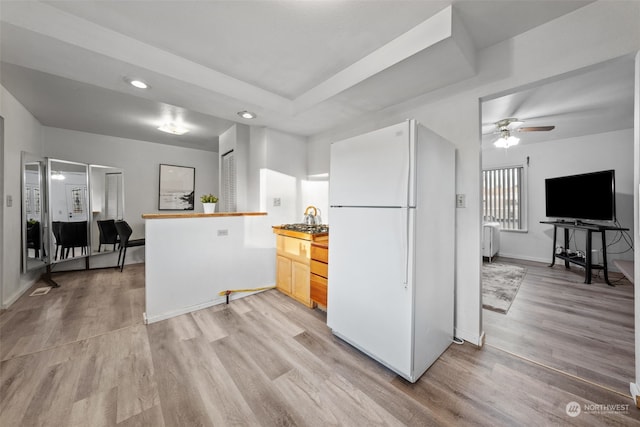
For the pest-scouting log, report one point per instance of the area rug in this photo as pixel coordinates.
(500, 284)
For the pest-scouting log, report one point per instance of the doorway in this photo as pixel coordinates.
(553, 317)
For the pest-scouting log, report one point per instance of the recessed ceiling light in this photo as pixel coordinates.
(173, 129)
(137, 83)
(247, 114)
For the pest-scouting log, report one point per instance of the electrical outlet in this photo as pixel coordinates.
(276, 201)
(224, 232)
(461, 201)
(9, 200)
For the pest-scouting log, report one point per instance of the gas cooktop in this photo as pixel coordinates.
(305, 228)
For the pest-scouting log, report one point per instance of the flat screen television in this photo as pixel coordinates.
(589, 196)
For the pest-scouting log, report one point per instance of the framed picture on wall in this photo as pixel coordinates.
(177, 187)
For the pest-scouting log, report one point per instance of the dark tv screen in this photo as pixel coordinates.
(589, 196)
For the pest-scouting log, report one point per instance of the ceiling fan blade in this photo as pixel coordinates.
(536, 128)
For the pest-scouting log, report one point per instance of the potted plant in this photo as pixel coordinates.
(209, 203)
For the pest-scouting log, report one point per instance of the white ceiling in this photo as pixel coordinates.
(590, 101)
(303, 66)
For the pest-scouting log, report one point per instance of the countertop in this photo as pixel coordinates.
(199, 215)
(315, 237)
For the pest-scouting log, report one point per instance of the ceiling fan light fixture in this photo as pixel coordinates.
(506, 140)
(173, 129)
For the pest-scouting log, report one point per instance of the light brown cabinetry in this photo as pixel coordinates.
(297, 275)
(293, 268)
(283, 274)
(319, 272)
(300, 282)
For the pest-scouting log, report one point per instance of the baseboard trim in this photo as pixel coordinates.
(482, 338)
(635, 393)
(477, 340)
(6, 304)
(184, 310)
(523, 257)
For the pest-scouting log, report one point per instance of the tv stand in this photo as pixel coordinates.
(584, 261)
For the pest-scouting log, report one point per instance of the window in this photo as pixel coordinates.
(503, 197)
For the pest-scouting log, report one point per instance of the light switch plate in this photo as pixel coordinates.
(9, 200)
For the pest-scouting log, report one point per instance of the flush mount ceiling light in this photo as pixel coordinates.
(137, 83)
(247, 114)
(57, 176)
(173, 129)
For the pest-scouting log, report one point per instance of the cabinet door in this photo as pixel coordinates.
(283, 274)
(300, 282)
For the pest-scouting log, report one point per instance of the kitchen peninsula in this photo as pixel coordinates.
(296, 274)
(191, 257)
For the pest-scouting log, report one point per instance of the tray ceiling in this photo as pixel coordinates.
(302, 66)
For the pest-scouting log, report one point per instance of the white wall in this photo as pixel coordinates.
(140, 162)
(595, 33)
(22, 132)
(611, 150)
(190, 262)
(286, 167)
(277, 170)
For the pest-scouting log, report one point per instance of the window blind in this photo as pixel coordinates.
(228, 196)
(502, 196)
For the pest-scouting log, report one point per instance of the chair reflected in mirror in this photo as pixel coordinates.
(108, 233)
(124, 233)
(56, 229)
(34, 237)
(68, 237)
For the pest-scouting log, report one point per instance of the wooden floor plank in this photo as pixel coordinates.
(268, 405)
(267, 360)
(559, 321)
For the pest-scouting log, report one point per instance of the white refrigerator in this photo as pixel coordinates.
(391, 251)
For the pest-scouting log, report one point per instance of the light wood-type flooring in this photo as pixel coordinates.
(586, 330)
(80, 356)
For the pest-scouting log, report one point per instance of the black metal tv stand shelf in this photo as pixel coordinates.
(584, 261)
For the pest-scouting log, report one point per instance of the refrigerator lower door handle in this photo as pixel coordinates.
(406, 244)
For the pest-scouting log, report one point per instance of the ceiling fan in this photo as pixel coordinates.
(505, 127)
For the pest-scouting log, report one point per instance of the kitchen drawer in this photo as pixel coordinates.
(319, 289)
(319, 268)
(319, 253)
